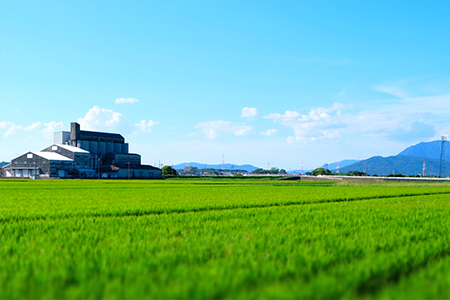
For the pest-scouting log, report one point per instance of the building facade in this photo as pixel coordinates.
(82, 154)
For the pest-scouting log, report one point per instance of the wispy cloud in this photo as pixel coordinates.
(214, 129)
(249, 112)
(395, 91)
(126, 100)
(327, 123)
(269, 132)
(318, 123)
(10, 127)
(144, 126)
(46, 129)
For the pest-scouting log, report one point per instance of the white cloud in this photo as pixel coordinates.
(269, 132)
(144, 126)
(102, 119)
(33, 127)
(5, 124)
(45, 129)
(243, 130)
(249, 112)
(11, 128)
(214, 129)
(319, 123)
(50, 128)
(382, 124)
(126, 100)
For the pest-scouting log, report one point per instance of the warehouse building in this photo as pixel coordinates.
(82, 154)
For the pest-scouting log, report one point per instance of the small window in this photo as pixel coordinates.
(29, 155)
(54, 148)
(24, 162)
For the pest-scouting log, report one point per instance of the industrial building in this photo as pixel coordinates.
(82, 154)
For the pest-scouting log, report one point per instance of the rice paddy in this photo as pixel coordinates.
(241, 239)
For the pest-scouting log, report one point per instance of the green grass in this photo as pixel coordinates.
(223, 240)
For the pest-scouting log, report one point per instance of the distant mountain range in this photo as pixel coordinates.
(248, 168)
(332, 166)
(428, 149)
(408, 162)
(342, 164)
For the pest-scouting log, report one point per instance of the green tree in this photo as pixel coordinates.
(168, 171)
(274, 170)
(260, 171)
(283, 171)
(321, 171)
(356, 173)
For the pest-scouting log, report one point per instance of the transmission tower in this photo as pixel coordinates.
(337, 168)
(223, 161)
(423, 169)
(442, 162)
(301, 168)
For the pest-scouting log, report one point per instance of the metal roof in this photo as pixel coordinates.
(116, 167)
(101, 134)
(51, 156)
(72, 148)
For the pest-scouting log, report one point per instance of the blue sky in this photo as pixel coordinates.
(262, 82)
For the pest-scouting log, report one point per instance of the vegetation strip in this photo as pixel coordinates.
(205, 209)
(331, 250)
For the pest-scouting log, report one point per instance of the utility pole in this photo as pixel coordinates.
(442, 161)
(98, 162)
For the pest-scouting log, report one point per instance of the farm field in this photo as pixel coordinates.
(239, 239)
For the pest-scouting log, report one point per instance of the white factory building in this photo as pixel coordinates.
(82, 154)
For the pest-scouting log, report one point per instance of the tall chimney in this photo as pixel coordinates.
(74, 131)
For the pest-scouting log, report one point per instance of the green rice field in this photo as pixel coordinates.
(236, 239)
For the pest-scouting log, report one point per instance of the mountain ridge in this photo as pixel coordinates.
(408, 162)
